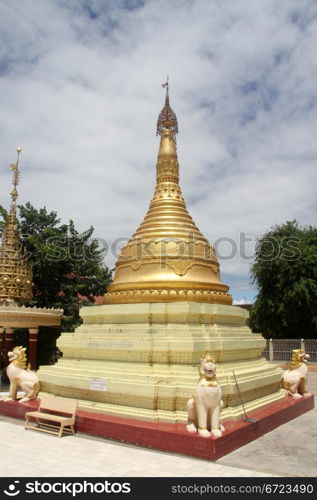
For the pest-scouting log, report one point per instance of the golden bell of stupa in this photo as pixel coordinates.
(167, 259)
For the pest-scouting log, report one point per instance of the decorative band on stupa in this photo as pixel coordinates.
(15, 272)
(167, 259)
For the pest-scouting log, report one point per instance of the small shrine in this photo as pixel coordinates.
(16, 286)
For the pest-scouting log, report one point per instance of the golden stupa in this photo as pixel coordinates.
(137, 354)
(167, 258)
(15, 271)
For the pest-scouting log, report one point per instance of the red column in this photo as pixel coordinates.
(32, 347)
(2, 344)
(1, 337)
(8, 344)
(9, 339)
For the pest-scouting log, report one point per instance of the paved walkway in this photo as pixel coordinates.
(289, 450)
(30, 453)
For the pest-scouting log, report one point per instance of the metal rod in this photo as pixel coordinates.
(248, 419)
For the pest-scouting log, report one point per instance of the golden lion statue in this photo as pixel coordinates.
(20, 377)
(205, 406)
(295, 377)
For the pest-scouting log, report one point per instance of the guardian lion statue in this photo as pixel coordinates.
(295, 378)
(20, 377)
(205, 406)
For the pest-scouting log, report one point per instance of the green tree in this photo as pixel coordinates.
(68, 268)
(285, 271)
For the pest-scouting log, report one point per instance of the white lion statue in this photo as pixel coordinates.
(205, 406)
(295, 378)
(20, 377)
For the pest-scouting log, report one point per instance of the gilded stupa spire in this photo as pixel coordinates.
(167, 259)
(167, 118)
(15, 272)
(15, 181)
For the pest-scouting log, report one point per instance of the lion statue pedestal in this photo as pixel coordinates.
(19, 376)
(205, 406)
(295, 378)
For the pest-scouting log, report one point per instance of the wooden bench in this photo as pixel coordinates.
(53, 413)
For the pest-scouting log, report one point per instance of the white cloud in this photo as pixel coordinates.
(241, 302)
(80, 90)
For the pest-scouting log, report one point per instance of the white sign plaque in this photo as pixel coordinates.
(98, 384)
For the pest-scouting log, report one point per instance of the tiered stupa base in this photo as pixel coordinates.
(140, 361)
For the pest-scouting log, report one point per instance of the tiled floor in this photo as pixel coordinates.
(30, 453)
(289, 450)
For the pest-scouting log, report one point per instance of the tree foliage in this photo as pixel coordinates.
(68, 268)
(285, 271)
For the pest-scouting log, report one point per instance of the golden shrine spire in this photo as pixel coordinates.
(15, 272)
(167, 259)
(15, 181)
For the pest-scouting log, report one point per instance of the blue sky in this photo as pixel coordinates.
(80, 91)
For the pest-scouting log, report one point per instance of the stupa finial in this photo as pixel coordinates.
(15, 180)
(167, 118)
(165, 85)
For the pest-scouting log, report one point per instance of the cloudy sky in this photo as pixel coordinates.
(80, 91)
